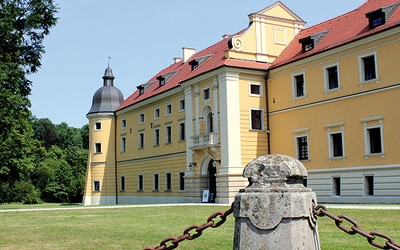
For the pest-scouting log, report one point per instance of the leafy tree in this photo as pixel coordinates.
(23, 26)
(44, 131)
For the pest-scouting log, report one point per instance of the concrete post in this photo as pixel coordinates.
(275, 211)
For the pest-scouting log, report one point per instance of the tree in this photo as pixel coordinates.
(23, 26)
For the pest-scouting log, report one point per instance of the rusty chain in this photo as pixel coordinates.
(322, 211)
(193, 232)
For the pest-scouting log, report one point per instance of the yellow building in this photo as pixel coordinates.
(275, 87)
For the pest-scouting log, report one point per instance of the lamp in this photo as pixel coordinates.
(191, 165)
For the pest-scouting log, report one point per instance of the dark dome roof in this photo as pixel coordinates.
(107, 98)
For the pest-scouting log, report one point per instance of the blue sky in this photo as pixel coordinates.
(141, 37)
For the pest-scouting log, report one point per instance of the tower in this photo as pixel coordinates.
(101, 170)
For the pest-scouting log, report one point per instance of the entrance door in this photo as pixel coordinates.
(212, 181)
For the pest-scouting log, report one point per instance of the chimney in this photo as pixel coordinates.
(177, 59)
(187, 53)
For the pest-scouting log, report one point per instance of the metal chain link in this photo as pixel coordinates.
(189, 234)
(322, 211)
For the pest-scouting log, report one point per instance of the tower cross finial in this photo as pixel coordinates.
(109, 58)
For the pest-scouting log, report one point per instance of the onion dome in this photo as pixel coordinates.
(107, 98)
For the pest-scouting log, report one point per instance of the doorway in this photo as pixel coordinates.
(212, 181)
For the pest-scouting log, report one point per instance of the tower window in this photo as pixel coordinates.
(97, 147)
(97, 126)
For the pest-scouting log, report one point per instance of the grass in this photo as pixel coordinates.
(139, 227)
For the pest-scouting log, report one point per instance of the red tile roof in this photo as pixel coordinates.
(343, 29)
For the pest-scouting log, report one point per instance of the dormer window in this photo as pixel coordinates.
(194, 64)
(376, 18)
(307, 44)
(161, 80)
(141, 90)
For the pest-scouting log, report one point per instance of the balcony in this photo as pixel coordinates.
(205, 141)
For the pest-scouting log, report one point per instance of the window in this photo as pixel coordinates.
(141, 90)
(141, 118)
(156, 137)
(181, 105)
(302, 147)
(140, 182)
(368, 70)
(123, 123)
(161, 80)
(336, 186)
(123, 144)
(141, 140)
(369, 185)
(335, 140)
(307, 44)
(298, 86)
(331, 78)
(168, 136)
(122, 183)
(256, 119)
(206, 94)
(97, 147)
(168, 109)
(373, 136)
(210, 123)
(255, 89)
(97, 126)
(156, 182)
(156, 113)
(168, 182)
(181, 181)
(376, 18)
(194, 64)
(182, 131)
(96, 186)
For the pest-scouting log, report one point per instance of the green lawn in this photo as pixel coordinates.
(139, 227)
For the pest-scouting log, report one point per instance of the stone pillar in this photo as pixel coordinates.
(275, 211)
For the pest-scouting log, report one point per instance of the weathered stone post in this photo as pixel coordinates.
(275, 211)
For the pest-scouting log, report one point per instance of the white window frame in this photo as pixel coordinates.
(156, 188)
(141, 118)
(166, 134)
(284, 36)
(180, 105)
(166, 181)
(95, 126)
(94, 186)
(371, 123)
(122, 188)
(95, 148)
(305, 132)
(140, 182)
(123, 123)
(140, 144)
(326, 78)
(157, 113)
(251, 119)
(168, 109)
(257, 84)
(181, 174)
(123, 144)
(335, 128)
(294, 86)
(361, 68)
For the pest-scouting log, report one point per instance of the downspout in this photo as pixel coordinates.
(267, 99)
(115, 158)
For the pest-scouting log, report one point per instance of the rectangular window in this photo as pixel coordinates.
(156, 182)
(123, 123)
(367, 67)
(168, 109)
(161, 81)
(332, 77)
(206, 94)
(156, 113)
(181, 181)
(181, 105)
(123, 144)
(302, 147)
(168, 182)
(373, 135)
(256, 119)
(96, 186)
(97, 126)
(97, 147)
(336, 186)
(141, 118)
(374, 140)
(168, 134)
(141, 140)
(182, 131)
(122, 183)
(140, 182)
(369, 185)
(298, 86)
(156, 137)
(255, 89)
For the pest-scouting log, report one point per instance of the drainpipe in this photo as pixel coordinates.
(115, 158)
(267, 99)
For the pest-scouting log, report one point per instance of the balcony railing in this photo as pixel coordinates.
(203, 141)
